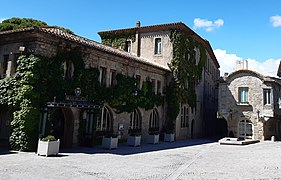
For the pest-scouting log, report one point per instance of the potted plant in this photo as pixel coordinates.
(169, 136)
(134, 138)
(110, 141)
(48, 146)
(153, 136)
(169, 133)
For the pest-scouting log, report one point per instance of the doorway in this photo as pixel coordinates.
(61, 127)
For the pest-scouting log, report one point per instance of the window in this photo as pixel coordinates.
(88, 116)
(128, 46)
(184, 116)
(158, 46)
(16, 59)
(154, 121)
(104, 123)
(159, 87)
(5, 63)
(138, 78)
(135, 120)
(103, 76)
(243, 95)
(266, 96)
(113, 80)
(153, 85)
(68, 70)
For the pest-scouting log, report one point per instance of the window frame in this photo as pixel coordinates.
(157, 46)
(266, 96)
(243, 95)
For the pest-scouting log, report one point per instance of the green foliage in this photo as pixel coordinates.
(38, 79)
(186, 74)
(25, 127)
(183, 66)
(49, 138)
(125, 97)
(117, 40)
(18, 23)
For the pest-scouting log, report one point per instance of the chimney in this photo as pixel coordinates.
(241, 64)
(138, 24)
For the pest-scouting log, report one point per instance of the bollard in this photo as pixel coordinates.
(272, 138)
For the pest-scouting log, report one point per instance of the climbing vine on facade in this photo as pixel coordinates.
(118, 40)
(186, 71)
(39, 79)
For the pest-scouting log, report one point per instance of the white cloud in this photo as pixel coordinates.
(2, 19)
(227, 63)
(206, 24)
(275, 20)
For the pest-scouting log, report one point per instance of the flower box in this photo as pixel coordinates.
(110, 142)
(153, 139)
(169, 137)
(47, 148)
(134, 140)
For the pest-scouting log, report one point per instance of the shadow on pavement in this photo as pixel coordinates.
(125, 149)
(6, 152)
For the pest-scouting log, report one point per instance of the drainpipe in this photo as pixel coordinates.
(138, 39)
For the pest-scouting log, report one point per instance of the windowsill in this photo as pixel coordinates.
(158, 55)
(242, 104)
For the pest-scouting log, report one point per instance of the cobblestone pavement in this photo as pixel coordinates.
(192, 159)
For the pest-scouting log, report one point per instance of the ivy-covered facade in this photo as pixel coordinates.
(191, 89)
(55, 83)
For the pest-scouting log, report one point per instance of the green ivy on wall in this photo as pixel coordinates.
(38, 80)
(185, 71)
(125, 97)
(117, 40)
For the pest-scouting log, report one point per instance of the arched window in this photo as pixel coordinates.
(245, 129)
(135, 120)
(105, 121)
(68, 67)
(154, 120)
(184, 116)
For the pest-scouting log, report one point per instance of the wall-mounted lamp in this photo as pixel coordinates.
(230, 112)
(258, 112)
(21, 48)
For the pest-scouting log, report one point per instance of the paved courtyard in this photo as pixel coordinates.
(192, 159)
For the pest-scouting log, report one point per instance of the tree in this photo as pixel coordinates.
(18, 23)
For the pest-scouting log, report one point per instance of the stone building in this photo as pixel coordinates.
(250, 104)
(154, 43)
(148, 52)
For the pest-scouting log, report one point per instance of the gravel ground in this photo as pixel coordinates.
(192, 159)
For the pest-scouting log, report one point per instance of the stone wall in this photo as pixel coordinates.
(255, 111)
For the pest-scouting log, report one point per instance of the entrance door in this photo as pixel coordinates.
(245, 129)
(57, 124)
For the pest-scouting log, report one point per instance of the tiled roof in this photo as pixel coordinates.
(167, 27)
(87, 42)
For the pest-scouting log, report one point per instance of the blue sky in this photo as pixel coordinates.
(236, 29)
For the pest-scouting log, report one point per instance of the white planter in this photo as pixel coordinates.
(110, 142)
(47, 148)
(134, 140)
(169, 137)
(153, 138)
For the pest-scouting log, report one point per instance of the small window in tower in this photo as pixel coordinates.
(158, 46)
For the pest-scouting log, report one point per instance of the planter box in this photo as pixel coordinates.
(47, 148)
(134, 140)
(169, 137)
(153, 139)
(110, 142)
